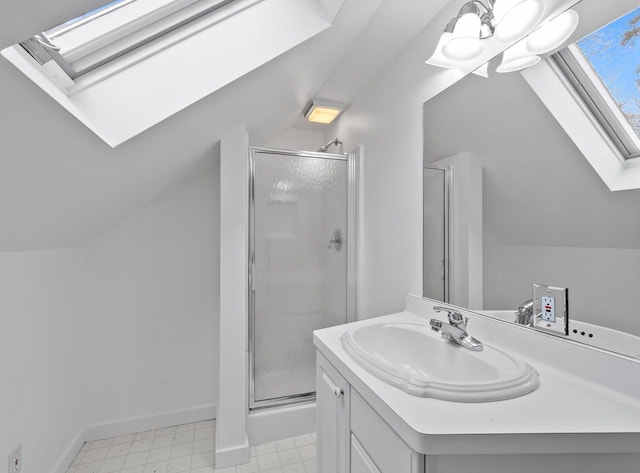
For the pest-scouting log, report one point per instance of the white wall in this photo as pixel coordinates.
(42, 355)
(152, 318)
(299, 140)
(387, 119)
(123, 330)
(603, 282)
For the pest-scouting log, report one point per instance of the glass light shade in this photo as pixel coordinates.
(516, 18)
(517, 58)
(464, 43)
(554, 33)
(437, 59)
(482, 71)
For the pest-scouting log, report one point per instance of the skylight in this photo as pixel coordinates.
(95, 38)
(157, 57)
(604, 68)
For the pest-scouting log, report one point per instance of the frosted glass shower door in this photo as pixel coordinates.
(299, 272)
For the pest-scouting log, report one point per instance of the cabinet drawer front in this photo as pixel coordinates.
(360, 461)
(382, 445)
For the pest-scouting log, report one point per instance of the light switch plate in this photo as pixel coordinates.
(551, 309)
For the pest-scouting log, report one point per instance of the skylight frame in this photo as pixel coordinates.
(595, 94)
(86, 17)
(131, 34)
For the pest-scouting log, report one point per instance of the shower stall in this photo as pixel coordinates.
(302, 221)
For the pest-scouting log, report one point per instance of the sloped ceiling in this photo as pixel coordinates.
(149, 84)
(537, 187)
(61, 186)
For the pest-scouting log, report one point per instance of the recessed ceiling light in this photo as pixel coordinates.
(319, 111)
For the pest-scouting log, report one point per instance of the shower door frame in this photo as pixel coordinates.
(352, 161)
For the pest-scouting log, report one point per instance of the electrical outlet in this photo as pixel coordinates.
(551, 309)
(15, 460)
(548, 308)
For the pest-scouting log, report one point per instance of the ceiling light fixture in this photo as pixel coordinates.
(516, 58)
(547, 37)
(515, 18)
(465, 31)
(552, 34)
(507, 21)
(320, 111)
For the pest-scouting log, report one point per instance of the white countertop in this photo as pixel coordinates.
(566, 414)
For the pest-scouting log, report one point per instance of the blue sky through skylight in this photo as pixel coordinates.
(617, 63)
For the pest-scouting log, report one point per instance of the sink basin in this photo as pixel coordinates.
(421, 362)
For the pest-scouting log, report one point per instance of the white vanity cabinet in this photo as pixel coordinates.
(570, 424)
(352, 437)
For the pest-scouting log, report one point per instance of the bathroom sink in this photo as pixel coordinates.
(419, 361)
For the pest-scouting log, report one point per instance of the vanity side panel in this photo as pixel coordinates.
(382, 445)
(583, 463)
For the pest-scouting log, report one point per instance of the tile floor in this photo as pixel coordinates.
(188, 448)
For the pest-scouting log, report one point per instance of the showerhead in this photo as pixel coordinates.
(335, 141)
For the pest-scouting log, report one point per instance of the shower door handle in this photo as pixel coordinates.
(337, 240)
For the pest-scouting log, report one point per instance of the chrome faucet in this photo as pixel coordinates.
(456, 330)
(524, 314)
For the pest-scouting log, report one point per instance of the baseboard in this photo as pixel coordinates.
(231, 456)
(278, 423)
(72, 450)
(157, 421)
(133, 425)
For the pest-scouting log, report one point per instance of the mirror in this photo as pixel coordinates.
(547, 217)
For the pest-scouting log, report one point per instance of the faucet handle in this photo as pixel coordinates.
(455, 318)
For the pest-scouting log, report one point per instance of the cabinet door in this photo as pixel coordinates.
(332, 404)
(360, 461)
(382, 445)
